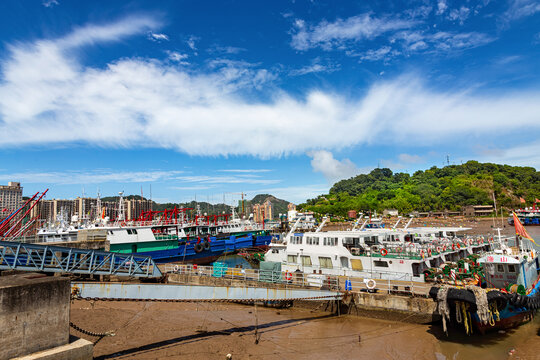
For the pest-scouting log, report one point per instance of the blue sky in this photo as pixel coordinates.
(211, 98)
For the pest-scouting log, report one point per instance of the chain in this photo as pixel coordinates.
(326, 297)
(90, 333)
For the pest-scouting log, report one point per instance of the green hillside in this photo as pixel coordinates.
(450, 187)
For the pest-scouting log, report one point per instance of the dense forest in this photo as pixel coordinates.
(450, 187)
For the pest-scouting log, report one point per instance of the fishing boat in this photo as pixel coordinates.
(374, 253)
(527, 216)
(506, 294)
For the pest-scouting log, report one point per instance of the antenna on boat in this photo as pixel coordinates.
(364, 224)
(357, 221)
(325, 220)
(408, 223)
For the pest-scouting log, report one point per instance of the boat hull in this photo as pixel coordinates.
(217, 247)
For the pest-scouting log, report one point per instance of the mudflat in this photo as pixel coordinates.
(146, 330)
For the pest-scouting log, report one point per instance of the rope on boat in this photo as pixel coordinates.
(481, 303)
(442, 305)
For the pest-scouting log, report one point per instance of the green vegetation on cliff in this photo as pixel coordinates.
(450, 187)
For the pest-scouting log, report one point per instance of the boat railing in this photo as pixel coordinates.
(377, 282)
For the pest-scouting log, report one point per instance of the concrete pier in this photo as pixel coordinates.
(34, 318)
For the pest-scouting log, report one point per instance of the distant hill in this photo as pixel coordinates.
(450, 187)
(280, 206)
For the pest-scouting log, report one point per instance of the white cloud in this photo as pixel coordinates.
(323, 161)
(521, 8)
(314, 67)
(90, 34)
(204, 179)
(50, 3)
(246, 170)
(384, 52)
(519, 155)
(441, 7)
(328, 35)
(158, 37)
(191, 42)
(89, 177)
(410, 159)
(459, 15)
(226, 49)
(177, 57)
(48, 97)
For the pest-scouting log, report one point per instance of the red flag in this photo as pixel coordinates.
(522, 200)
(520, 229)
(536, 201)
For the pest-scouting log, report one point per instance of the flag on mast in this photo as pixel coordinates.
(522, 200)
(520, 229)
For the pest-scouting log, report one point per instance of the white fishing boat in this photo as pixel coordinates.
(376, 253)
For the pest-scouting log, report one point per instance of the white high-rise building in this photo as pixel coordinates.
(10, 198)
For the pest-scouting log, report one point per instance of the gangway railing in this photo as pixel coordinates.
(31, 257)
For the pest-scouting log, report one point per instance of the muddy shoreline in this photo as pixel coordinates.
(146, 330)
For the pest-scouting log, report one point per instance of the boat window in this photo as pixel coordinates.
(306, 260)
(325, 262)
(380, 263)
(500, 268)
(371, 240)
(511, 268)
(330, 241)
(348, 241)
(291, 259)
(296, 240)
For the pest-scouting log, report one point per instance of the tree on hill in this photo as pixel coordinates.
(450, 187)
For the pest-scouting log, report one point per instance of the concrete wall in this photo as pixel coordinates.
(34, 313)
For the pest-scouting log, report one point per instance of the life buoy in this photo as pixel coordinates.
(444, 248)
(370, 284)
(422, 254)
(288, 275)
(458, 246)
(429, 252)
(453, 246)
(384, 252)
(123, 224)
(176, 268)
(439, 249)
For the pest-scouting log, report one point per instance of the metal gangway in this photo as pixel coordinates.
(30, 257)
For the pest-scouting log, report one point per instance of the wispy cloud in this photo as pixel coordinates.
(206, 179)
(315, 67)
(48, 97)
(89, 177)
(459, 15)
(328, 35)
(158, 37)
(177, 57)
(518, 9)
(441, 7)
(226, 49)
(50, 3)
(246, 170)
